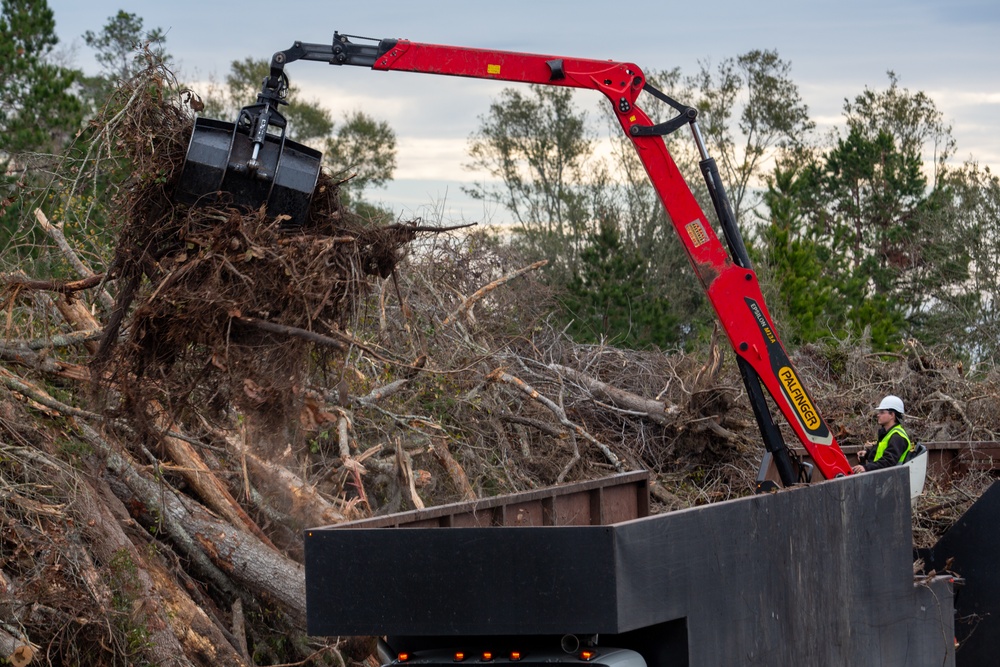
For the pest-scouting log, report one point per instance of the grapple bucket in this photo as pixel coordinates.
(217, 169)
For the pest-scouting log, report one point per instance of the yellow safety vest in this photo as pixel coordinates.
(884, 442)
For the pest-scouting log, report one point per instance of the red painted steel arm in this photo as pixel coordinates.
(732, 289)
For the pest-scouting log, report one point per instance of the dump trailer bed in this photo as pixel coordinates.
(813, 575)
(594, 502)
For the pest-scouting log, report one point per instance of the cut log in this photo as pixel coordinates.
(243, 557)
(202, 640)
(107, 544)
(15, 650)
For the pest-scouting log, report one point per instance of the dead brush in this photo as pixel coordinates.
(217, 296)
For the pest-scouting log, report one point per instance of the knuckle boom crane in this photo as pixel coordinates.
(254, 162)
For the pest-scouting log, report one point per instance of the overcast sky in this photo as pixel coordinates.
(947, 49)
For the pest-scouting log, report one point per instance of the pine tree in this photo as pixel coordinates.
(891, 244)
(799, 267)
(39, 111)
(607, 298)
(118, 48)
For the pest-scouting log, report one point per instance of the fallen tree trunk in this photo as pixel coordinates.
(212, 491)
(203, 641)
(658, 411)
(439, 446)
(243, 557)
(123, 575)
(295, 498)
(226, 554)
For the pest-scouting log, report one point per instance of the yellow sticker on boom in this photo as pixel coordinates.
(493, 69)
(696, 232)
(800, 400)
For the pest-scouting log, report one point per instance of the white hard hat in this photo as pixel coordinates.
(891, 403)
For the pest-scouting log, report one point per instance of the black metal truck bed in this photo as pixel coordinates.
(813, 575)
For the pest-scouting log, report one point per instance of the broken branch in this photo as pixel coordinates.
(468, 303)
(658, 411)
(500, 375)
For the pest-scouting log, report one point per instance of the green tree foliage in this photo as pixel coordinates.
(607, 296)
(863, 197)
(39, 111)
(625, 194)
(563, 198)
(123, 48)
(364, 152)
(118, 48)
(39, 115)
(875, 191)
(883, 233)
(871, 236)
(622, 190)
(800, 264)
(972, 327)
(911, 119)
(536, 144)
(120, 40)
(749, 109)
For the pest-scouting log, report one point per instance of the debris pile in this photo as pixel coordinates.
(170, 425)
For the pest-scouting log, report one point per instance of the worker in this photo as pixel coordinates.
(893, 444)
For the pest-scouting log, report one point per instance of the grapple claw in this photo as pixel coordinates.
(220, 162)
